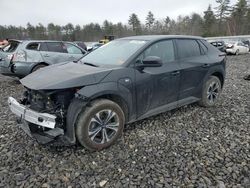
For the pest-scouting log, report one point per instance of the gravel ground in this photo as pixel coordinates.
(187, 147)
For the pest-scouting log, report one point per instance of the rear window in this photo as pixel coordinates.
(56, 47)
(11, 47)
(33, 46)
(188, 48)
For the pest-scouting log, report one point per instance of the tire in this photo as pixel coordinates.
(38, 67)
(237, 52)
(211, 92)
(94, 133)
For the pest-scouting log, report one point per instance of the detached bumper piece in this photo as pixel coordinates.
(44, 137)
(44, 120)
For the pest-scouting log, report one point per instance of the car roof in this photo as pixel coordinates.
(159, 37)
(46, 41)
(38, 40)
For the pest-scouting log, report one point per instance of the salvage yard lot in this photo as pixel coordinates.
(191, 146)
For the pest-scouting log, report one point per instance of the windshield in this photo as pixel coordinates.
(113, 53)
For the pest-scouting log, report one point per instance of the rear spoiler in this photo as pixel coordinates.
(222, 54)
(15, 40)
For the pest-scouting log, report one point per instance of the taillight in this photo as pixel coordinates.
(10, 56)
(230, 46)
(19, 56)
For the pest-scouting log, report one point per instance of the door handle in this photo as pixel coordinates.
(205, 65)
(46, 55)
(175, 73)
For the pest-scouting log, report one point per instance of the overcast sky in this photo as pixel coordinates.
(20, 12)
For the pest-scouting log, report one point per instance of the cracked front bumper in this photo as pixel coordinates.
(31, 116)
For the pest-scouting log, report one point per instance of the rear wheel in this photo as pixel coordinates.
(237, 52)
(211, 92)
(37, 67)
(100, 125)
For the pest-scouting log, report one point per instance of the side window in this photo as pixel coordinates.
(33, 46)
(56, 47)
(43, 47)
(203, 48)
(188, 48)
(240, 44)
(162, 49)
(71, 49)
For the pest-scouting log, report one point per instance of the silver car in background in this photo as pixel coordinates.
(236, 48)
(21, 58)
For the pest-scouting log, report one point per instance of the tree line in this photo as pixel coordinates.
(222, 20)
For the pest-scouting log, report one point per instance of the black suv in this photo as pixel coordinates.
(129, 79)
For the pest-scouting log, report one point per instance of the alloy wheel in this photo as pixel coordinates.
(213, 92)
(103, 126)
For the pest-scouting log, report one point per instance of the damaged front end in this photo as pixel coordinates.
(42, 114)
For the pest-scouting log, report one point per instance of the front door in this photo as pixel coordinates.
(74, 53)
(53, 52)
(157, 86)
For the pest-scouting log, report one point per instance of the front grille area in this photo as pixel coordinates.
(52, 102)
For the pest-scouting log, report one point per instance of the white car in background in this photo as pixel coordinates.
(236, 48)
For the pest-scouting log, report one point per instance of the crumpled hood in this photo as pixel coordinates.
(63, 76)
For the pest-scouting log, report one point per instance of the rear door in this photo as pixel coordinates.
(243, 47)
(32, 52)
(74, 53)
(194, 66)
(53, 52)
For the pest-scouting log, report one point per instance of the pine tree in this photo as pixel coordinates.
(222, 13)
(150, 20)
(239, 15)
(135, 23)
(209, 22)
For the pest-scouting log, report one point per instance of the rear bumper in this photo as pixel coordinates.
(230, 51)
(5, 70)
(17, 69)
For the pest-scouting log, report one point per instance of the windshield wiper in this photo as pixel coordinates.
(90, 64)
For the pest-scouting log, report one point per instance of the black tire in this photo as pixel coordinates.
(237, 52)
(38, 67)
(87, 126)
(211, 92)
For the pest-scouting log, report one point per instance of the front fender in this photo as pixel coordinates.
(125, 92)
(92, 92)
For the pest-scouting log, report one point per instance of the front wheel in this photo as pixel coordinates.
(100, 124)
(211, 92)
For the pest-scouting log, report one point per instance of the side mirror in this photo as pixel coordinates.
(89, 49)
(151, 61)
